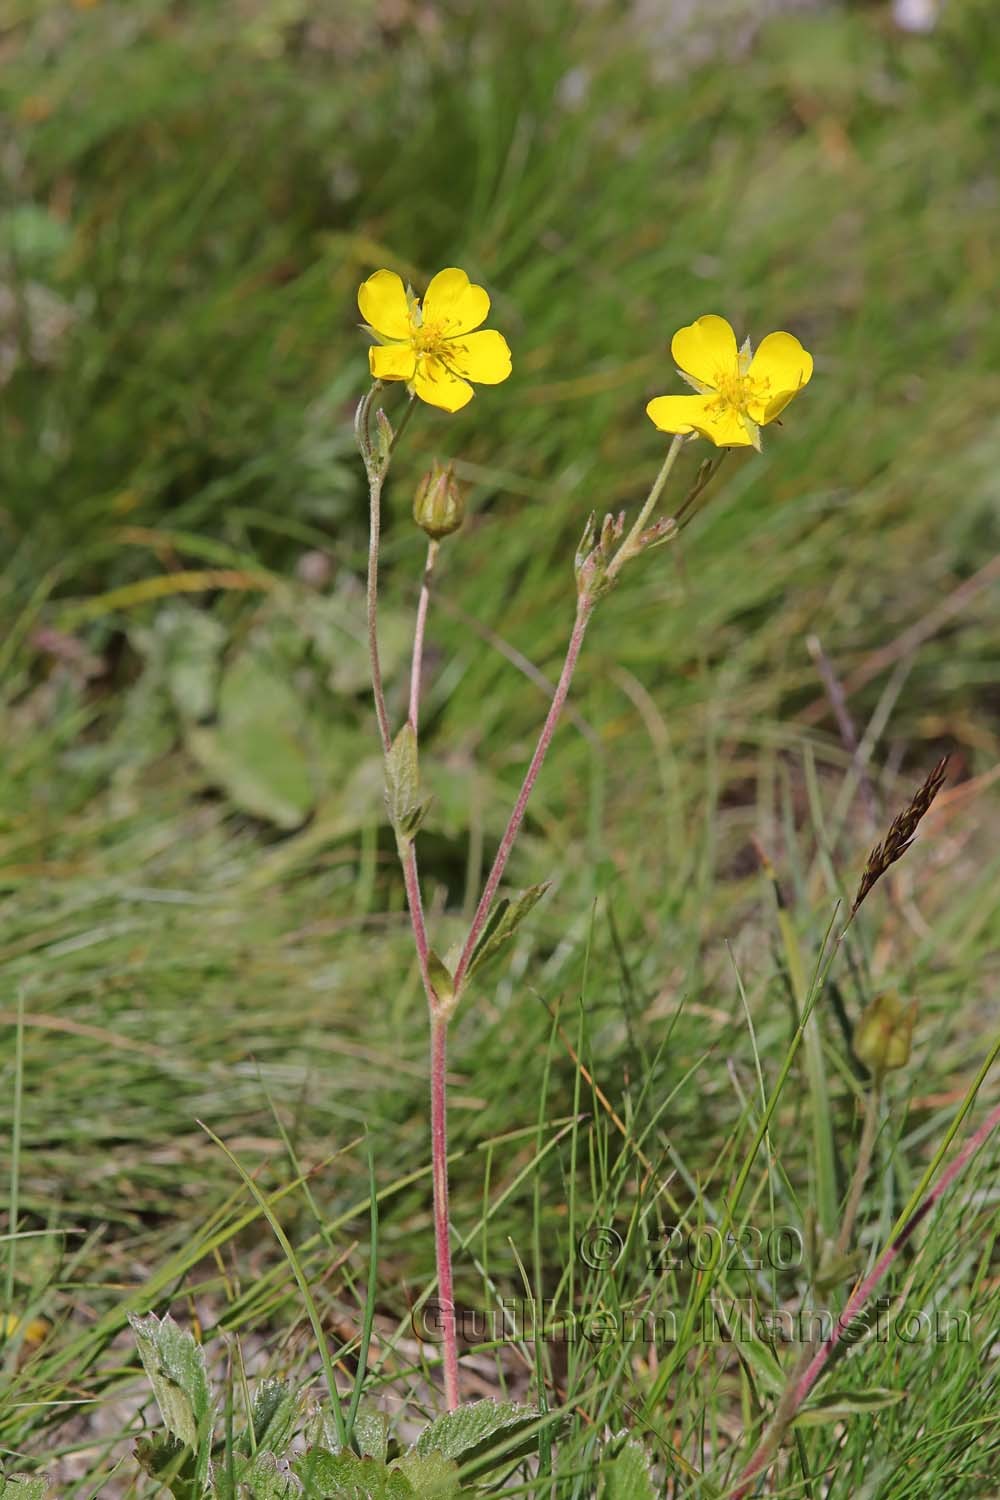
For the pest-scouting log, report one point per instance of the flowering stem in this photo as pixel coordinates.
(630, 546)
(376, 467)
(803, 1380)
(442, 1225)
(584, 608)
(418, 632)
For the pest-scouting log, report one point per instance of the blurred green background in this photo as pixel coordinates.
(200, 912)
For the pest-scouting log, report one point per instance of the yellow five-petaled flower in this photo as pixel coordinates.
(738, 392)
(433, 347)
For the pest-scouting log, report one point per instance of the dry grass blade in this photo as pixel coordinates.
(901, 833)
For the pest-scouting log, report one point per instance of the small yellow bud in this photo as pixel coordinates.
(439, 504)
(883, 1034)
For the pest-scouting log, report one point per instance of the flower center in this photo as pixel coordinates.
(428, 338)
(734, 390)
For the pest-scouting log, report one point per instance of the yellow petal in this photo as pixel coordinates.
(726, 428)
(705, 415)
(706, 349)
(779, 369)
(678, 414)
(435, 384)
(392, 361)
(455, 302)
(382, 300)
(480, 356)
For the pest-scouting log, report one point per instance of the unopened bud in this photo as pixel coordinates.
(883, 1035)
(439, 504)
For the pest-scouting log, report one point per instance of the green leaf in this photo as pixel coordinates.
(273, 1415)
(402, 784)
(23, 1487)
(371, 1432)
(835, 1406)
(432, 1476)
(464, 1433)
(175, 1365)
(255, 752)
(504, 920)
(628, 1476)
(441, 978)
(172, 1464)
(347, 1477)
(191, 642)
(268, 1478)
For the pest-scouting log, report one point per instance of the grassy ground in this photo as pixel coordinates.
(193, 193)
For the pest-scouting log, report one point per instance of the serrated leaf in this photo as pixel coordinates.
(267, 1477)
(175, 1365)
(371, 1432)
(191, 642)
(273, 1415)
(348, 1477)
(835, 1406)
(172, 1464)
(504, 920)
(23, 1487)
(461, 1434)
(431, 1475)
(628, 1476)
(255, 751)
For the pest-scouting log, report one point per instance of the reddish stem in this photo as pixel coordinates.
(583, 611)
(800, 1388)
(442, 1226)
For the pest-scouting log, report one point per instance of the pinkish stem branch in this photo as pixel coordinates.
(585, 605)
(802, 1382)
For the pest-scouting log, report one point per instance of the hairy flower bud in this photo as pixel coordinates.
(883, 1034)
(439, 504)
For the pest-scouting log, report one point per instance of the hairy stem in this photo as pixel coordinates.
(631, 545)
(442, 1226)
(583, 612)
(418, 632)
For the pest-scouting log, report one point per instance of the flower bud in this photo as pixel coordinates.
(439, 504)
(883, 1034)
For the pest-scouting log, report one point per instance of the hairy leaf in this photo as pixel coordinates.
(175, 1365)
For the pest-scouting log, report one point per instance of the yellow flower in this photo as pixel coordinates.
(433, 347)
(738, 392)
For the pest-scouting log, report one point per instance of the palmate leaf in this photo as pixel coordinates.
(504, 920)
(256, 750)
(371, 1432)
(273, 1415)
(267, 1477)
(465, 1433)
(172, 1464)
(628, 1476)
(175, 1365)
(348, 1477)
(23, 1487)
(432, 1476)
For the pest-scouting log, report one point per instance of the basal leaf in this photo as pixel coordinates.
(463, 1433)
(175, 1365)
